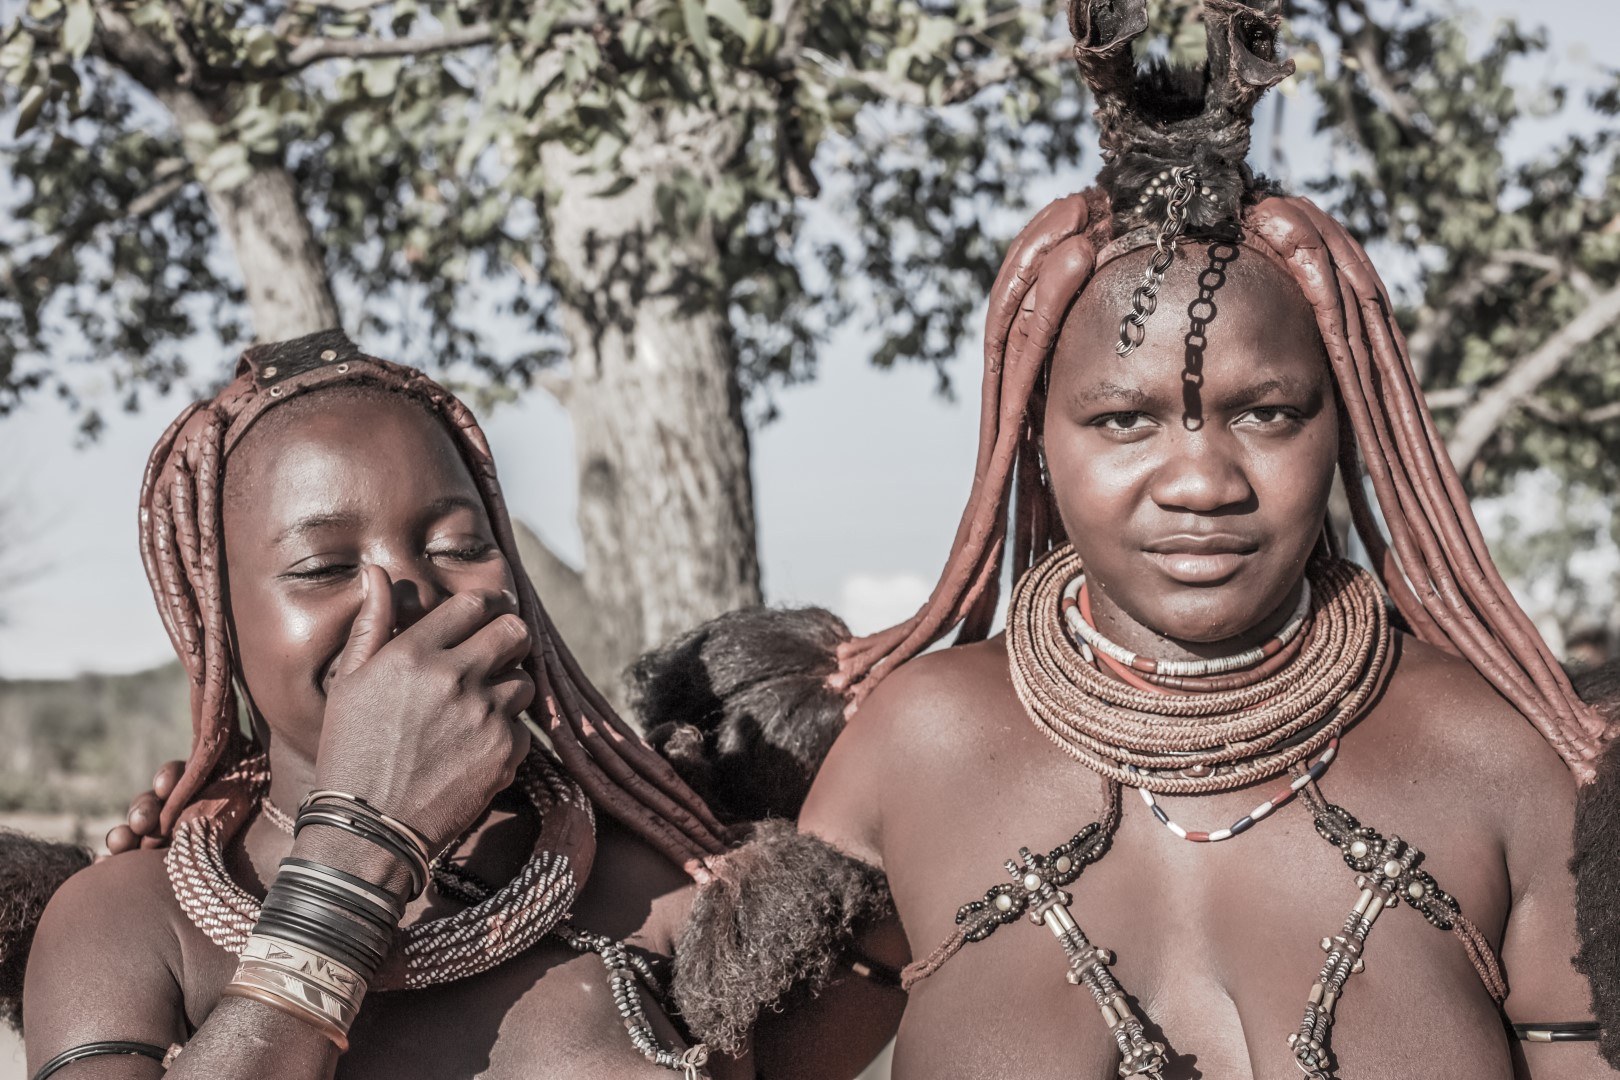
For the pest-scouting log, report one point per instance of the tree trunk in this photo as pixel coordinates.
(666, 502)
(283, 270)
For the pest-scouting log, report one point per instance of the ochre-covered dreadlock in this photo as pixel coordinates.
(1434, 563)
(182, 546)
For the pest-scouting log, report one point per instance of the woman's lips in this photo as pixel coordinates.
(1199, 568)
(1200, 560)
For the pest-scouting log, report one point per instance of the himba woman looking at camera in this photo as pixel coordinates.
(1268, 811)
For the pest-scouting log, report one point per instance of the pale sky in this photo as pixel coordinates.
(859, 482)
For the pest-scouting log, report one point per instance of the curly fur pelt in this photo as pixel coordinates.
(780, 912)
(741, 707)
(1597, 867)
(31, 870)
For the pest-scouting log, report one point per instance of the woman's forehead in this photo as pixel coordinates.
(1217, 302)
(372, 449)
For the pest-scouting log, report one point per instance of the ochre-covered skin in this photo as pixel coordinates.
(318, 559)
(940, 775)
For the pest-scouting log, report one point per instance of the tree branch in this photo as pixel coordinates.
(1481, 419)
(1361, 47)
(315, 50)
(1563, 418)
(171, 175)
(1437, 323)
(348, 7)
(969, 83)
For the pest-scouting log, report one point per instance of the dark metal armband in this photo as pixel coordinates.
(1562, 1031)
(103, 1049)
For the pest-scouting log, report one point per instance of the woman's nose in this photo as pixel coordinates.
(416, 592)
(1201, 477)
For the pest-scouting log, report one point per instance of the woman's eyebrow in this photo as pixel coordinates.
(314, 522)
(1286, 386)
(1113, 393)
(449, 504)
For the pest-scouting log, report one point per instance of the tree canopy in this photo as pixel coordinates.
(581, 172)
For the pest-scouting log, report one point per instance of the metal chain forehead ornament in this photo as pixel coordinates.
(1184, 183)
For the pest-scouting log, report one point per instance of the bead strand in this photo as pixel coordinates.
(1147, 665)
(1243, 824)
(1218, 740)
(624, 968)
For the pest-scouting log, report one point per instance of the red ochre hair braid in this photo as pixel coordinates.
(182, 547)
(1433, 563)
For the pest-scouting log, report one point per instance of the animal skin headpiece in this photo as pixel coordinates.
(1433, 562)
(182, 546)
(1153, 122)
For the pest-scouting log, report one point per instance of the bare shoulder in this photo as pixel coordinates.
(1446, 705)
(127, 897)
(934, 702)
(921, 719)
(105, 960)
(1449, 724)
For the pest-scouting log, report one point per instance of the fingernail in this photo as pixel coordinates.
(365, 584)
(511, 597)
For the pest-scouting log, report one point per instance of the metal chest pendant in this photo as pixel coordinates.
(1388, 874)
(1037, 889)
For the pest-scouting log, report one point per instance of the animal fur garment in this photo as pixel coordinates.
(1597, 868)
(740, 706)
(780, 912)
(30, 871)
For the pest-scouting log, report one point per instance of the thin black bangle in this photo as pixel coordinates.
(409, 837)
(367, 941)
(376, 832)
(100, 1049)
(338, 936)
(323, 920)
(386, 899)
(1558, 1031)
(386, 841)
(361, 825)
(303, 888)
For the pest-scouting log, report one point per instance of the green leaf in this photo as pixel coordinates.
(225, 167)
(232, 176)
(618, 187)
(259, 47)
(697, 27)
(934, 36)
(17, 52)
(472, 144)
(79, 27)
(381, 77)
(733, 15)
(636, 37)
(28, 112)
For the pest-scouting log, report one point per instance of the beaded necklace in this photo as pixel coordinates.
(1096, 648)
(1246, 726)
(1247, 821)
(1147, 665)
(1197, 743)
(472, 940)
(497, 925)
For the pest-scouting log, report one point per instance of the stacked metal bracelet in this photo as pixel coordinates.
(354, 815)
(322, 934)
